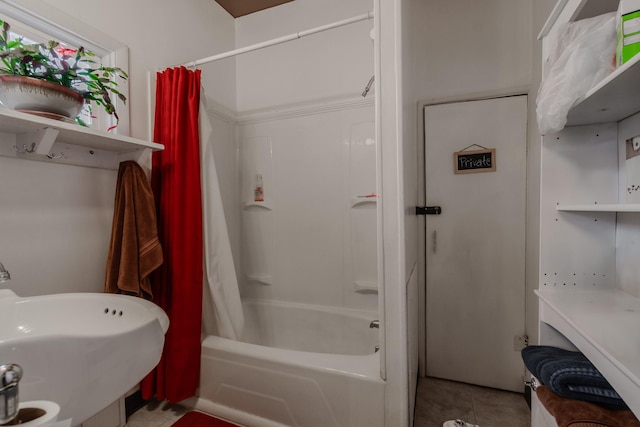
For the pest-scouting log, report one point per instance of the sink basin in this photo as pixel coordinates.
(80, 350)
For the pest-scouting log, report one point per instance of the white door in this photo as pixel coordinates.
(475, 250)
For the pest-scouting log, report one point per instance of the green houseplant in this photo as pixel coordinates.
(75, 69)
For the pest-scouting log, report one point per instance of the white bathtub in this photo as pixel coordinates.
(303, 365)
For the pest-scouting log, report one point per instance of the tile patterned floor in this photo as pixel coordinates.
(436, 402)
(439, 400)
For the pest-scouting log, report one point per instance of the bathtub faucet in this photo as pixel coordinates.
(4, 274)
(374, 324)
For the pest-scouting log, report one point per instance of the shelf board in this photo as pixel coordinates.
(365, 287)
(16, 122)
(262, 279)
(621, 207)
(615, 98)
(267, 205)
(603, 325)
(363, 200)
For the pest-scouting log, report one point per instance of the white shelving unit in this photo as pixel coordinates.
(38, 138)
(601, 323)
(589, 285)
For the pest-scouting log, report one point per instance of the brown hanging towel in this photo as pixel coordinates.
(134, 249)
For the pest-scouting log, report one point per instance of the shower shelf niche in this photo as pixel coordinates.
(363, 200)
(32, 137)
(364, 287)
(264, 205)
(262, 279)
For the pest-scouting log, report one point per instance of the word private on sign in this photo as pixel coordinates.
(474, 161)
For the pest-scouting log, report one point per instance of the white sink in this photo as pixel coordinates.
(80, 350)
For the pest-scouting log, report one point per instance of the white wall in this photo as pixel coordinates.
(313, 246)
(465, 47)
(325, 65)
(55, 223)
(55, 220)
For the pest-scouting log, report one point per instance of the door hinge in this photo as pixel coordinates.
(428, 210)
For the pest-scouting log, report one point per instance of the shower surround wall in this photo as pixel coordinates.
(313, 239)
(307, 261)
(305, 128)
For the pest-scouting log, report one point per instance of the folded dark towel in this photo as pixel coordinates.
(574, 413)
(569, 374)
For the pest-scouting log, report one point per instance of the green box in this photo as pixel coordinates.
(628, 38)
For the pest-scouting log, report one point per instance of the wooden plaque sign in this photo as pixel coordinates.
(474, 161)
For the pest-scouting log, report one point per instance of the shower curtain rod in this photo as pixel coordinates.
(279, 40)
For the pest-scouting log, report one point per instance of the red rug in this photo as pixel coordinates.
(198, 419)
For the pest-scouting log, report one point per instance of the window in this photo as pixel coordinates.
(52, 24)
(90, 115)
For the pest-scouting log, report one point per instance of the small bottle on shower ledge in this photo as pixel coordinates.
(258, 192)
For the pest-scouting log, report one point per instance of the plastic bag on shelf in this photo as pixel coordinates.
(583, 55)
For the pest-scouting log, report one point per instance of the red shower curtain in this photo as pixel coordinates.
(177, 285)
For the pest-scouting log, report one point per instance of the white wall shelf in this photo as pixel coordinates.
(603, 325)
(65, 142)
(623, 207)
(613, 99)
